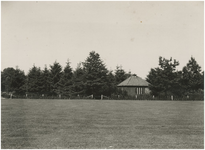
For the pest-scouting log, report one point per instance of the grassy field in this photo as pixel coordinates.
(81, 124)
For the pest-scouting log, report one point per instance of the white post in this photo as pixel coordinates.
(172, 97)
(101, 97)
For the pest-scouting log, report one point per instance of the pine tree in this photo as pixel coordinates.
(65, 83)
(120, 75)
(34, 80)
(95, 75)
(78, 80)
(111, 84)
(46, 87)
(55, 75)
(19, 82)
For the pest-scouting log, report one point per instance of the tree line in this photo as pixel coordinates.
(165, 80)
(92, 78)
(89, 78)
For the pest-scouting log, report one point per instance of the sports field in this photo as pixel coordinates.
(94, 124)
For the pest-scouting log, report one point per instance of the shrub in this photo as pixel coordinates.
(5, 95)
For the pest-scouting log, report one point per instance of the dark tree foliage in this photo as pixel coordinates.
(19, 82)
(192, 77)
(164, 79)
(154, 78)
(202, 81)
(95, 75)
(55, 76)
(111, 84)
(34, 81)
(93, 78)
(120, 75)
(7, 76)
(65, 83)
(78, 81)
(46, 87)
(13, 80)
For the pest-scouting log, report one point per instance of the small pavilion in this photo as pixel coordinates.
(134, 86)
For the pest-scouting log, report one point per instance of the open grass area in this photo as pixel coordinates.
(81, 124)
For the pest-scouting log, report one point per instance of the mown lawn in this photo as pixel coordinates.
(94, 124)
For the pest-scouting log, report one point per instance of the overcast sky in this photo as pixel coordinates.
(130, 34)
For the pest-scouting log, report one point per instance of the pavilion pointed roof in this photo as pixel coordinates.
(134, 80)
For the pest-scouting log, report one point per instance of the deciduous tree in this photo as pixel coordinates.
(192, 77)
(164, 79)
(13, 80)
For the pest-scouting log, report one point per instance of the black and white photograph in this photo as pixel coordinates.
(102, 74)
